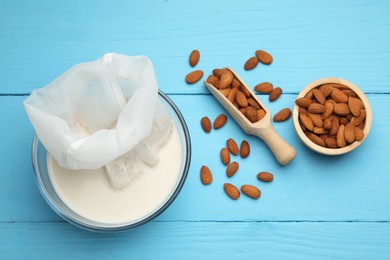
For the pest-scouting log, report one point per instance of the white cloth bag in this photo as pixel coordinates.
(102, 113)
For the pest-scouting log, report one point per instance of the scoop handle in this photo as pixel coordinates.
(282, 150)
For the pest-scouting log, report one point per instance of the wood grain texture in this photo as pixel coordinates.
(312, 187)
(199, 240)
(308, 39)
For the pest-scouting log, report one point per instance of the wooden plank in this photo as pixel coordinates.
(313, 187)
(199, 240)
(309, 40)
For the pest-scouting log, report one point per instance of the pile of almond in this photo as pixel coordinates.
(237, 94)
(332, 115)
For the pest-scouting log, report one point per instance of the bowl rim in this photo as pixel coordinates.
(333, 151)
(117, 228)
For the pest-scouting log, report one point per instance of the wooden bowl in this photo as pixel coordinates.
(333, 151)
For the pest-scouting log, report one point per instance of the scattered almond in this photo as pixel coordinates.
(232, 169)
(232, 146)
(231, 191)
(275, 94)
(244, 149)
(206, 124)
(251, 63)
(264, 87)
(220, 121)
(205, 175)
(194, 76)
(225, 156)
(282, 115)
(251, 191)
(265, 176)
(264, 57)
(194, 58)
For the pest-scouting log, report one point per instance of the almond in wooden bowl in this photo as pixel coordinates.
(332, 116)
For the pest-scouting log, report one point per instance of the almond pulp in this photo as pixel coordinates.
(244, 149)
(232, 146)
(194, 58)
(251, 63)
(220, 121)
(194, 76)
(205, 175)
(232, 169)
(231, 191)
(265, 176)
(206, 124)
(282, 115)
(275, 94)
(251, 191)
(264, 57)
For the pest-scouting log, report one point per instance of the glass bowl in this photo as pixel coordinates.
(40, 159)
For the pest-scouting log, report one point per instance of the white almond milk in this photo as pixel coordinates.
(89, 194)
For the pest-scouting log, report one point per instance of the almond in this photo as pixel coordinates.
(244, 90)
(232, 146)
(218, 72)
(251, 191)
(235, 83)
(232, 169)
(241, 100)
(244, 149)
(355, 106)
(338, 96)
(302, 110)
(359, 134)
(205, 175)
(220, 121)
(206, 124)
(275, 94)
(335, 126)
(349, 133)
(194, 76)
(265, 176)
(282, 115)
(251, 114)
(316, 119)
(305, 120)
(225, 156)
(331, 142)
(260, 114)
(316, 108)
(264, 57)
(309, 94)
(357, 120)
(194, 58)
(253, 103)
(232, 95)
(349, 92)
(316, 139)
(251, 63)
(341, 137)
(303, 102)
(326, 89)
(341, 109)
(225, 91)
(226, 79)
(264, 87)
(329, 106)
(212, 80)
(319, 96)
(344, 121)
(231, 191)
(320, 130)
(327, 124)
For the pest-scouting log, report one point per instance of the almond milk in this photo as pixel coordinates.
(89, 194)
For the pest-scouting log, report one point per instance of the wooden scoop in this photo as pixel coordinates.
(283, 152)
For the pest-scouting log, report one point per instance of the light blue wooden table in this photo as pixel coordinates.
(317, 206)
